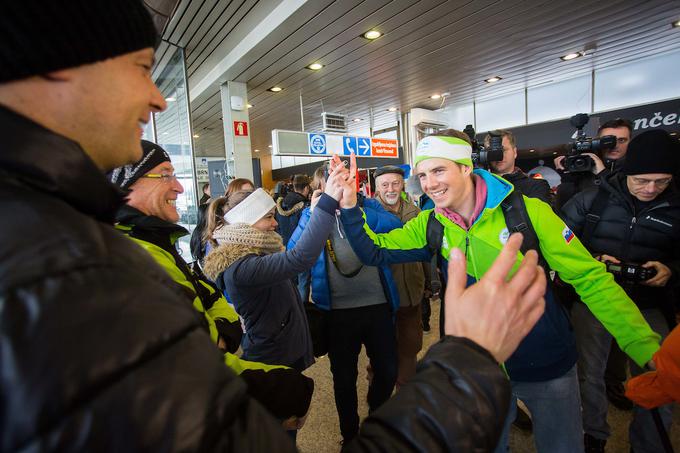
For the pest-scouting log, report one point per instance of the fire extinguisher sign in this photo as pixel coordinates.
(240, 128)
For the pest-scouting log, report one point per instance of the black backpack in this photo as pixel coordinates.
(517, 220)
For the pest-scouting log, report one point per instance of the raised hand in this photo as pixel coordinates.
(496, 313)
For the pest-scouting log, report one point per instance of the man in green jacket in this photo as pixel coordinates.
(149, 219)
(468, 206)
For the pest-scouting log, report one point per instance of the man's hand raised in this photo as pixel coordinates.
(496, 312)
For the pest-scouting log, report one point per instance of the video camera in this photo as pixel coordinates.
(576, 161)
(481, 155)
(629, 272)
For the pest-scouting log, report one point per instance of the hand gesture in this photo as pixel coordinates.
(599, 166)
(335, 184)
(349, 195)
(496, 312)
(558, 162)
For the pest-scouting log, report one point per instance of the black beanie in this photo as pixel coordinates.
(654, 151)
(42, 36)
(152, 155)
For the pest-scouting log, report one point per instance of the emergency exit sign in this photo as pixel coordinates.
(240, 128)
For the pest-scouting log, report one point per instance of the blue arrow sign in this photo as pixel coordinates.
(349, 145)
(317, 144)
(364, 145)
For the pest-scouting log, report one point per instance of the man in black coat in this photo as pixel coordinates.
(533, 188)
(289, 207)
(639, 223)
(100, 349)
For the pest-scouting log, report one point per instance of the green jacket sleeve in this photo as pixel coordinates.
(595, 286)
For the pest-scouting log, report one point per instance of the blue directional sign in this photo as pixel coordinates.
(349, 145)
(364, 146)
(317, 144)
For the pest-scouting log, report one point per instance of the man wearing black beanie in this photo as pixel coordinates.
(633, 222)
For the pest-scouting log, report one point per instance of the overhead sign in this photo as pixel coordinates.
(241, 128)
(295, 143)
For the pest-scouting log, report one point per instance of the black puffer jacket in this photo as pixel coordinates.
(573, 183)
(653, 234)
(99, 349)
(288, 211)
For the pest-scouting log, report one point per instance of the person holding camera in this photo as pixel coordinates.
(470, 206)
(632, 223)
(612, 162)
(533, 188)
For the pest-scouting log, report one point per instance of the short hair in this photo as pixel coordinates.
(615, 124)
(503, 133)
(318, 176)
(452, 133)
(300, 182)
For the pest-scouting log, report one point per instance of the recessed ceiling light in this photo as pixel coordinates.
(270, 146)
(571, 56)
(532, 150)
(315, 66)
(170, 99)
(554, 152)
(275, 89)
(493, 79)
(257, 150)
(675, 24)
(372, 34)
(196, 135)
(250, 106)
(436, 96)
(392, 109)
(357, 120)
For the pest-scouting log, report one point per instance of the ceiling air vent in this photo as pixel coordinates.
(334, 122)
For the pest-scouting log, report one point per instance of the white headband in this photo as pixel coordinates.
(251, 209)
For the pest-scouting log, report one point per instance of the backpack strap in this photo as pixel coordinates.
(593, 216)
(434, 234)
(517, 220)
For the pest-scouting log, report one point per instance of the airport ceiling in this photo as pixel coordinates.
(427, 47)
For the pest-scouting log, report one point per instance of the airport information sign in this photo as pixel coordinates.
(295, 143)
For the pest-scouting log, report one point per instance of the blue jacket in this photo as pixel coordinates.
(379, 220)
(549, 349)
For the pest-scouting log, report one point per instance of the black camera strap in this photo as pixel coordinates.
(593, 216)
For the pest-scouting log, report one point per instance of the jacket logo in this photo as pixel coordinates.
(504, 235)
(567, 234)
(654, 219)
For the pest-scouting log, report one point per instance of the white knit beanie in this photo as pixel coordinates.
(251, 209)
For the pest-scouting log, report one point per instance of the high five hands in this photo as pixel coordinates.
(341, 183)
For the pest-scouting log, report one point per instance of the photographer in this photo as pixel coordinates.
(533, 188)
(575, 182)
(631, 218)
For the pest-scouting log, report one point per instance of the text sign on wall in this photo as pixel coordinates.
(294, 143)
(241, 128)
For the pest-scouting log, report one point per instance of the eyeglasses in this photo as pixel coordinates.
(163, 177)
(657, 182)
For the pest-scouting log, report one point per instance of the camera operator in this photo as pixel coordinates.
(633, 221)
(573, 183)
(533, 188)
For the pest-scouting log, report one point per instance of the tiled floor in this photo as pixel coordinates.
(321, 433)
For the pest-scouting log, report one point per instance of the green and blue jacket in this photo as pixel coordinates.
(549, 349)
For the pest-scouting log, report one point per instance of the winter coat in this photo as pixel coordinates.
(549, 350)
(409, 277)
(532, 188)
(379, 220)
(100, 349)
(652, 234)
(573, 183)
(288, 211)
(262, 291)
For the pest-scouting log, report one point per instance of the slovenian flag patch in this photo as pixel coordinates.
(567, 234)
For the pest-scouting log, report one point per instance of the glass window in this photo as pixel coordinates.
(461, 115)
(559, 100)
(173, 133)
(502, 112)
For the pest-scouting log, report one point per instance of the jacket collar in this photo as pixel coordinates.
(497, 188)
(56, 165)
(148, 225)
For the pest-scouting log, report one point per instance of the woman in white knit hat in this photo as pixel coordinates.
(252, 266)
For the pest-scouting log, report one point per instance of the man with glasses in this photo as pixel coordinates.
(638, 225)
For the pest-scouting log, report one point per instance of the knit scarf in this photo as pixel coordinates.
(236, 241)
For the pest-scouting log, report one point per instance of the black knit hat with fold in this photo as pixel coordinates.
(654, 151)
(152, 156)
(39, 36)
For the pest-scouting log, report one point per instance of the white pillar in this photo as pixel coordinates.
(237, 130)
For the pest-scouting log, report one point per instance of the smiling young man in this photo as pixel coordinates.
(468, 206)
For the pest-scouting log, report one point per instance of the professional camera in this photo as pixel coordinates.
(576, 161)
(482, 156)
(629, 272)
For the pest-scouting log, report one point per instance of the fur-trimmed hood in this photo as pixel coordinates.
(297, 207)
(220, 258)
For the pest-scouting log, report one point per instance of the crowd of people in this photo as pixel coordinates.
(111, 340)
